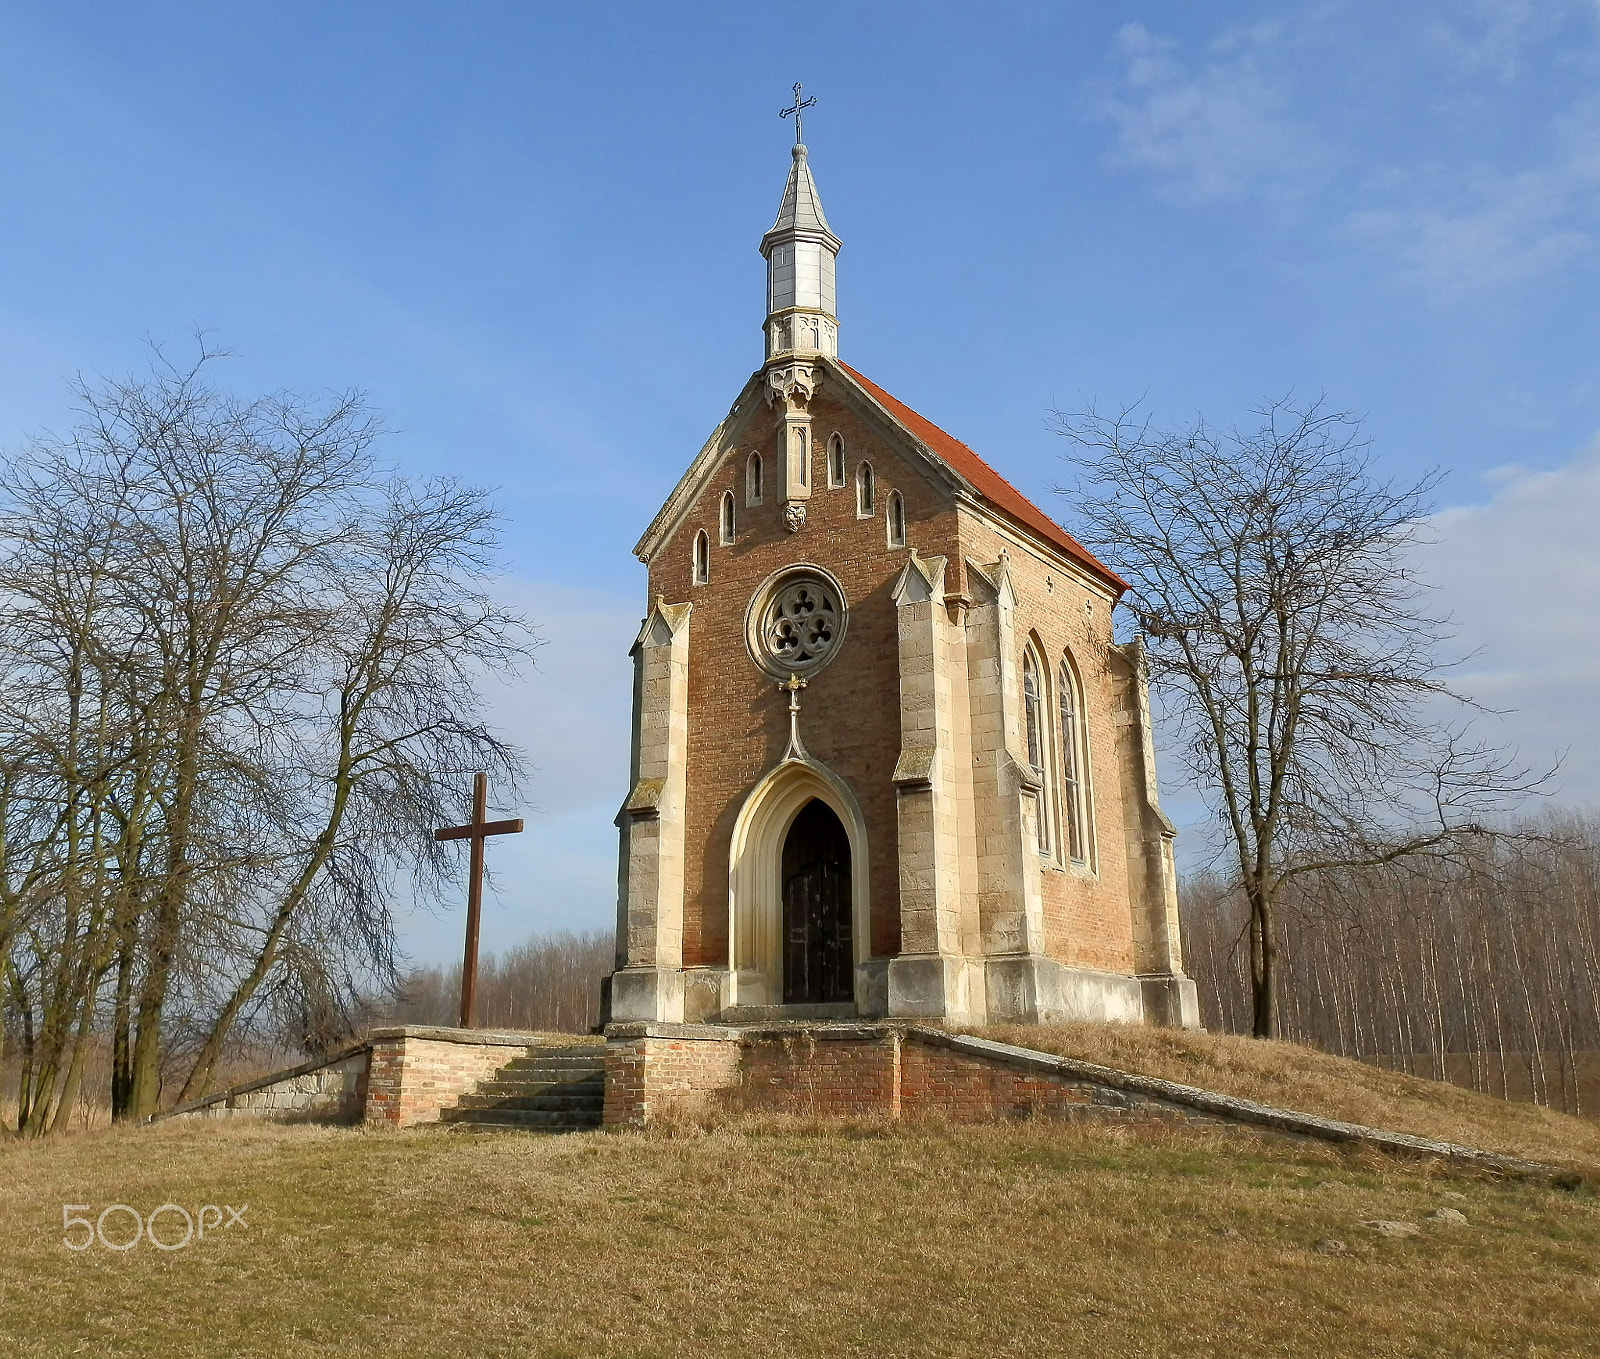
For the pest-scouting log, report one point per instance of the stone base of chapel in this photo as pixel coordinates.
(1009, 989)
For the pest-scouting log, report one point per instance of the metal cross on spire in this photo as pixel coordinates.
(798, 104)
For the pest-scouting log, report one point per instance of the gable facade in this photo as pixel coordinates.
(851, 609)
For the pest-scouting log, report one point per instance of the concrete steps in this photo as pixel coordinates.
(547, 1090)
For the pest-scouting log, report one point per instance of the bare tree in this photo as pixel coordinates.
(1272, 581)
(240, 665)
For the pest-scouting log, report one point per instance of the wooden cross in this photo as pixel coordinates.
(799, 104)
(475, 831)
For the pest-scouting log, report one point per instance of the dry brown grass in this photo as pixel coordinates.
(774, 1238)
(1302, 1078)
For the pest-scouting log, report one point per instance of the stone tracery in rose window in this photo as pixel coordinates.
(801, 625)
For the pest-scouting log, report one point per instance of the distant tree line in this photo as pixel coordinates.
(549, 983)
(1483, 968)
(239, 670)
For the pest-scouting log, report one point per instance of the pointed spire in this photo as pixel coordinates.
(801, 208)
(800, 251)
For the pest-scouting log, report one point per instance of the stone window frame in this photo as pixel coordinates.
(754, 479)
(894, 519)
(837, 473)
(1076, 786)
(700, 562)
(866, 491)
(756, 610)
(727, 523)
(1036, 708)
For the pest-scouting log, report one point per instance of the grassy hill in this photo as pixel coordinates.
(782, 1238)
(1313, 1082)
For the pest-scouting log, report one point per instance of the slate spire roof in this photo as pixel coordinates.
(801, 208)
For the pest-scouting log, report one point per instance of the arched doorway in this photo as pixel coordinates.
(756, 878)
(818, 950)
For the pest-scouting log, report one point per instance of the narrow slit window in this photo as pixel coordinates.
(702, 558)
(752, 480)
(865, 492)
(727, 522)
(1072, 807)
(896, 516)
(836, 461)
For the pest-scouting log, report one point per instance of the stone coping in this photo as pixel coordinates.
(495, 1038)
(261, 1083)
(486, 1038)
(737, 1033)
(1227, 1107)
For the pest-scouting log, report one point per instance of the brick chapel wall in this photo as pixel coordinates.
(850, 718)
(1086, 913)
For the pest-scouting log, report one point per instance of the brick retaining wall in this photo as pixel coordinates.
(418, 1071)
(407, 1075)
(899, 1070)
(396, 1078)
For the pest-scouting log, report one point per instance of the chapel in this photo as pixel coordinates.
(887, 759)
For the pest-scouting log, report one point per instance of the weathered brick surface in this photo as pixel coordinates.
(842, 1071)
(412, 1076)
(852, 712)
(895, 1070)
(1088, 921)
(647, 1077)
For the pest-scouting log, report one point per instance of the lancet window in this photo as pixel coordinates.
(1074, 767)
(836, 461)
(866, 492)
(1034, 730)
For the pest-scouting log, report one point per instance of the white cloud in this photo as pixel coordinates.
(1491, 37)
(1221, 124)
(1212, 129)
(1521, 574)
(1483, 229)
(1460, 233)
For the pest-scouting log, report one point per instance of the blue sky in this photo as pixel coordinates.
(529, 232)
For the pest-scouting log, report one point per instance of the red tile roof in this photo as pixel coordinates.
(989, 484)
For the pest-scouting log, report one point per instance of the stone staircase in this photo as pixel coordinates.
(548, 1090)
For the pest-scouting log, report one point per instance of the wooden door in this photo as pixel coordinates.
(818, 960)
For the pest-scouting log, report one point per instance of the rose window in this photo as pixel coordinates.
(797, 625)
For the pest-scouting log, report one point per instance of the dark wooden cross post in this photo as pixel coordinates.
(476, 831)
